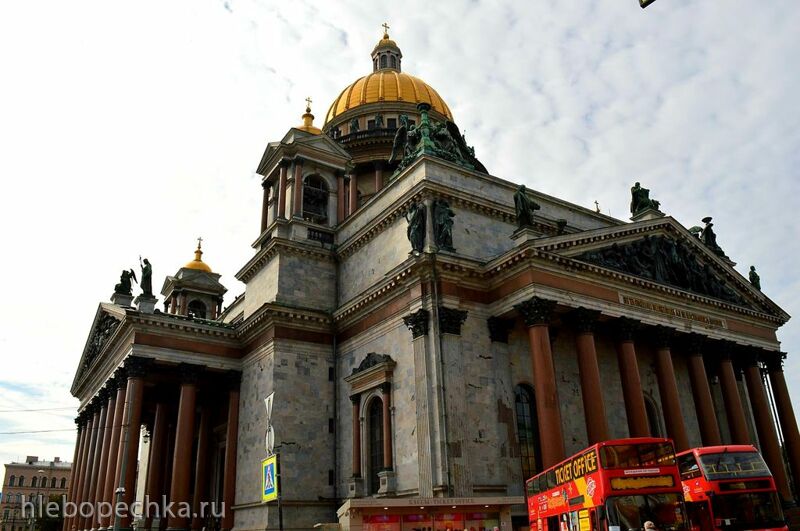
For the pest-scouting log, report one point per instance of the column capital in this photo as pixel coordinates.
(103, 395)
(117, 379)
(284, 163)
(499, 329)
(417, 322)
(189, 373)
(355, 399)
(536, 311)
(583, 319)
(749, 356)
(386, 388)
(626, 328)
(137, 367)
(696, 344)
(451, 319)
(774, 361)
(663, 336)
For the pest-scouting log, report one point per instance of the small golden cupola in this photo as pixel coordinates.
(308, 121)
(194, 291)
(386, 55)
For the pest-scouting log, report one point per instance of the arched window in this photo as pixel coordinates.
(653, 417)
(375, 438)
(383, 61)
(197, 309)
(11, 481)
(21, 481)
(34, 481)
(63, 483)
(315, 199)
(394, 61)
(52, 483)
(527, 431)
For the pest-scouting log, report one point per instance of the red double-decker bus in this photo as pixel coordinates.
(614, 485)
(729, 487)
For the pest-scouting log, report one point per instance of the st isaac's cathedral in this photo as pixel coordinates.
(430, 336)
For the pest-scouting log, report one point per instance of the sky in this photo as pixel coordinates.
(132, 128)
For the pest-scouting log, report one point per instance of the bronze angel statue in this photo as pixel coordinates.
(124, 286)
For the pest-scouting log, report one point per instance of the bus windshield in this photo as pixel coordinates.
(743, 509)
(733, 465)
(631, 512)
(637, 455)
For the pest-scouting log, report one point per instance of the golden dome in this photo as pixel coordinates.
(308, 121)
(197, 264)
(387, 85)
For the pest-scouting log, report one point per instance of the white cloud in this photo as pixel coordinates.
(132, 130)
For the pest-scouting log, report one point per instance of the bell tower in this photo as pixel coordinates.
(195, 290)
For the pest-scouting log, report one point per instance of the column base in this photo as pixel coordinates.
(355, 487)
(388, 481)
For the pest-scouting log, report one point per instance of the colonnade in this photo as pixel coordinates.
(107, 449)
(538, 313)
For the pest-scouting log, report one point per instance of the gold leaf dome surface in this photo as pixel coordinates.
(387, 85)
(197, 264)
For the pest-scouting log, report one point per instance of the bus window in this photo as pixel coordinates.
(637, 455)
(687, 464)
(734, 465)
(631, 512)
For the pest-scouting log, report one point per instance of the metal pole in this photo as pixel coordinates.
(280, 489)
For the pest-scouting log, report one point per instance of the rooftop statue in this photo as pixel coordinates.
(124, 286)
(709, 238)
(147, 277)
(525, 207)
(640, 199)
(405, 142)
(755, 280)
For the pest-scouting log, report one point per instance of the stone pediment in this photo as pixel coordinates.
(664, 252)
(106, 322)
(296, 142)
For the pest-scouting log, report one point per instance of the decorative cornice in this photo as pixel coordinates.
(184, 324)
(275, 246)
(536, 311)
(499, 329)
(371, 360)
(451, 319)
(295, 317)
(417, 322)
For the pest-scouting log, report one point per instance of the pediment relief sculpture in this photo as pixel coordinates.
(666, 261)
(103, 330)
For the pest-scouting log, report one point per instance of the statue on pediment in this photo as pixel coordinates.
(124, 287)
(404, 145)
(755, 280)
(147, 277)
(640, 199)
(524, 207)
(709, 238)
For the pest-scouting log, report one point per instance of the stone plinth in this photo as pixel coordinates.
(122, 299)
(145, 303)
(388, 483)
(355, 488)
(525, 234)
(647, 214)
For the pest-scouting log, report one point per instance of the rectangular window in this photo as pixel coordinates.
(330, 425)
(370, 124)
(391, 123)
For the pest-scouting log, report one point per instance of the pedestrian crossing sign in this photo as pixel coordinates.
(269, 479)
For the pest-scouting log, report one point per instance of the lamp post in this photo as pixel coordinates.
(32, 519)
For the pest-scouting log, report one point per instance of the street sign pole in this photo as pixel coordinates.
(280, 488)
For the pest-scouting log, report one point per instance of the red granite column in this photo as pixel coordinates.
(201, 469)
(783, 403)
(282, 191)
(353, 195)
(536, 313)
(701, 392)
(668, 390)
(77, 467)
(231, 437)
(265, 206)
(732, 399)
(591, 391)
(339, 198)
(125, 477)
(118, 383)
(631, 379)
(103, 442)
(297, 189)
(356, 435)
(184, 439)
(90, 466)
(765, 426)
(156, 463)
(387, 426)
